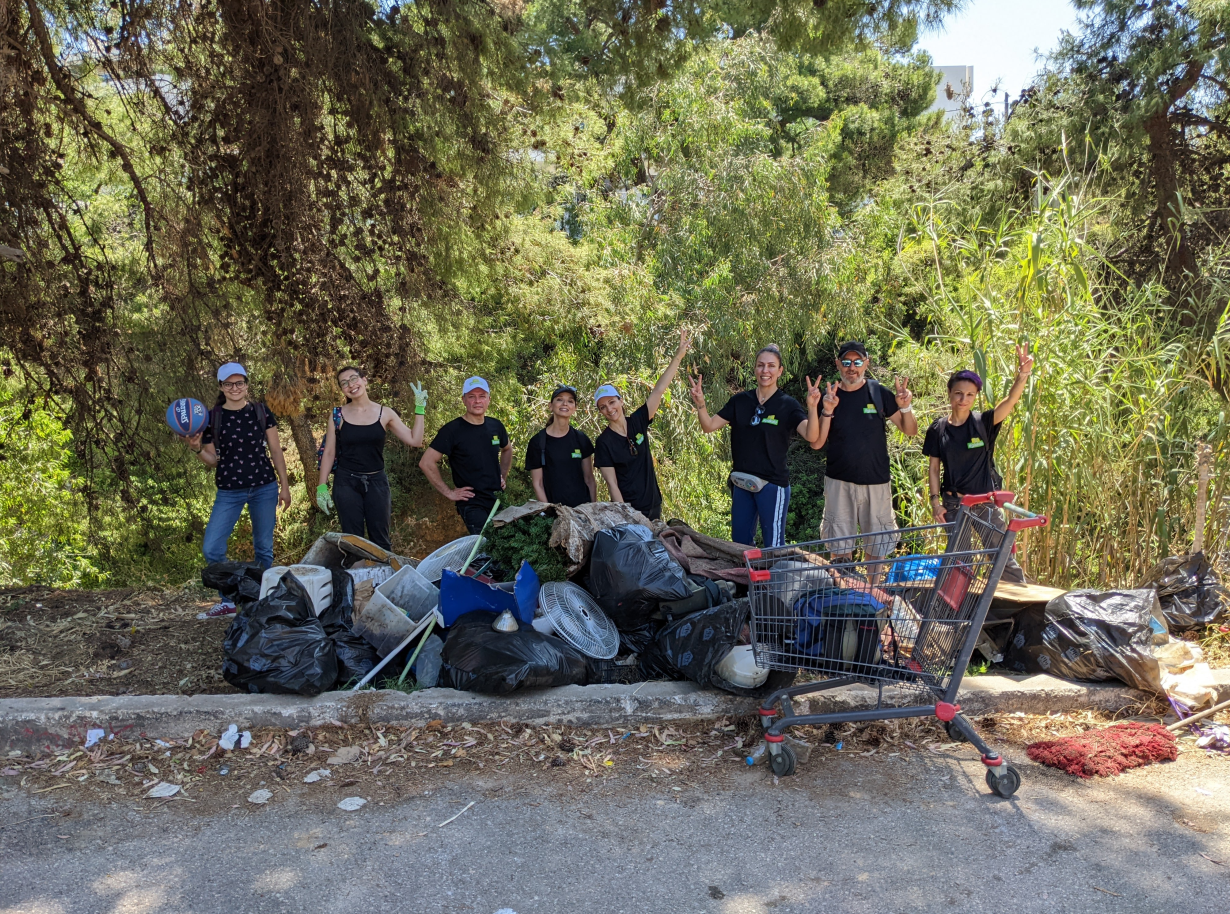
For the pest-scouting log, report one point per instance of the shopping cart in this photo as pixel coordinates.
(905, 624)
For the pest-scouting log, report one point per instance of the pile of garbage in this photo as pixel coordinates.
(640, 600)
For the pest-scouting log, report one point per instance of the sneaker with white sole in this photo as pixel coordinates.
(218, 611)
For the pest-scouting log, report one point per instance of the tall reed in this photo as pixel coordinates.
(1104, 439)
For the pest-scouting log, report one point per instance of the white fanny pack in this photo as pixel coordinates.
(747, 481)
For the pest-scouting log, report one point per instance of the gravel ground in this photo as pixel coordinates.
(670, 826)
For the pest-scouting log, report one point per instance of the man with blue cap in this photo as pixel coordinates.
(479, 455)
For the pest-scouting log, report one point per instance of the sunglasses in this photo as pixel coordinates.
(857, 363)
(757, 415)
(631, 447)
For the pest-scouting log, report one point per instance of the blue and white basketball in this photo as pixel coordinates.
(187, 416)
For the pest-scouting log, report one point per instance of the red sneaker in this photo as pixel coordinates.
(218, 611)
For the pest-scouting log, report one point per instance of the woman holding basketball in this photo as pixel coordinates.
(239, 443)
(356, 438)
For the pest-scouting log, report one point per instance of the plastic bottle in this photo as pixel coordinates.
(758, 754)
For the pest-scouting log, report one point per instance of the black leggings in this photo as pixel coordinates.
(364, 499)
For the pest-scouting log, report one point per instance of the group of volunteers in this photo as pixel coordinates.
(847, 418)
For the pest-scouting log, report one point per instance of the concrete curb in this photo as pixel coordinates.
(51, 723)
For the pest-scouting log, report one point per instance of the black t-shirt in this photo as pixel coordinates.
(638, 483)
(243, 459)
(760, 449)
(857, 446)
(473, 453)
(563, 475)
(966, 453)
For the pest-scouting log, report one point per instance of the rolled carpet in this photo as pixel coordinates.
(1109, 751)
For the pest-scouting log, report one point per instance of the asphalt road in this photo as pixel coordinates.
(847, 834)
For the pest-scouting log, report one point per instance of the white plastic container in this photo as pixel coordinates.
(408, 592)
(377, 574)
(739, 668)
(317, 581)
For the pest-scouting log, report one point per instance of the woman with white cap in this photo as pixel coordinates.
(356, 438)
(622, 450)
(239, 443)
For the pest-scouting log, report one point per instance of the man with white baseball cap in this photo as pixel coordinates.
(622, 451)
(479, 455)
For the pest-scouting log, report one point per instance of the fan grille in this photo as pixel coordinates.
(579, 620)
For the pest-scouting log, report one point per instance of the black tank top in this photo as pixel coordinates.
(360, 448)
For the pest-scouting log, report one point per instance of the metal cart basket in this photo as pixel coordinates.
(904, 624)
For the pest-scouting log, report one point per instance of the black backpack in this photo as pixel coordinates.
(980, 429)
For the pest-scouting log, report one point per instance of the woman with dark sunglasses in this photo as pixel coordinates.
(622, 450)
(762, 422)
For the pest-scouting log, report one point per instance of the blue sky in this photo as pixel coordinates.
(998, 38)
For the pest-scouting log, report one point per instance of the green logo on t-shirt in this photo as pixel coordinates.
(495, 439)
(870, 408)
(769, 420)
(577, 454)
(976, 442)
(640, 439)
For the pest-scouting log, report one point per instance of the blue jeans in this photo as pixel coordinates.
(262, 502)
(768, 506)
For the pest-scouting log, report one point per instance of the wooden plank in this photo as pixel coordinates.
(1026, 593)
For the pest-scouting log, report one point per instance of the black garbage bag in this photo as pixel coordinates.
(693, 646)
(637, 640)
(239, 582)
(630, 573)
(1189, 590)
(355, 656)
(1091, 636)
(278, 646)
(479, 659)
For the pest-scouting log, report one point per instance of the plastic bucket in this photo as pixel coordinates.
(317, 581)
(409, 592)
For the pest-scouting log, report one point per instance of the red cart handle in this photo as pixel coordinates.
(1024, 517)
(1000, 499)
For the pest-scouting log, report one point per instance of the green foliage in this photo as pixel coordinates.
(525, 540)
(43, 530)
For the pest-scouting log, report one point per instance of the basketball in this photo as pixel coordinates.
(187, 417)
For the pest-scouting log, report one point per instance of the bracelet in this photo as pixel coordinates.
(906, 409)
(936, 498)
(198, 451)
(826, 415)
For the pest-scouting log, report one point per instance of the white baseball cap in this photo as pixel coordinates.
(229, 369)
(474, 383)
(606, 390)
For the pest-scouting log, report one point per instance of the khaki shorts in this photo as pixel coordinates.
(851, 509)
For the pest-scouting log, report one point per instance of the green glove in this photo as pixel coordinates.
(420, 399)
(323, 501)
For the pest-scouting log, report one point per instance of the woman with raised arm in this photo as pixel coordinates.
(356, 437)
(622, 450)
(762, 422)
(961, 448)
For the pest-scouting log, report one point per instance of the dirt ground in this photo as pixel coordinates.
(383, 763)
(108, 642)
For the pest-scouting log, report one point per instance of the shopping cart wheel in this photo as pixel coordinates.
(1004, 780)
(783, 762)
(954, 732)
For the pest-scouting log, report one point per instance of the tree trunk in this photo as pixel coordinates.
(1163, 148)
(305, 444)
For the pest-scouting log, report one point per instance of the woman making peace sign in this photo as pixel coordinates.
(761, 422)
